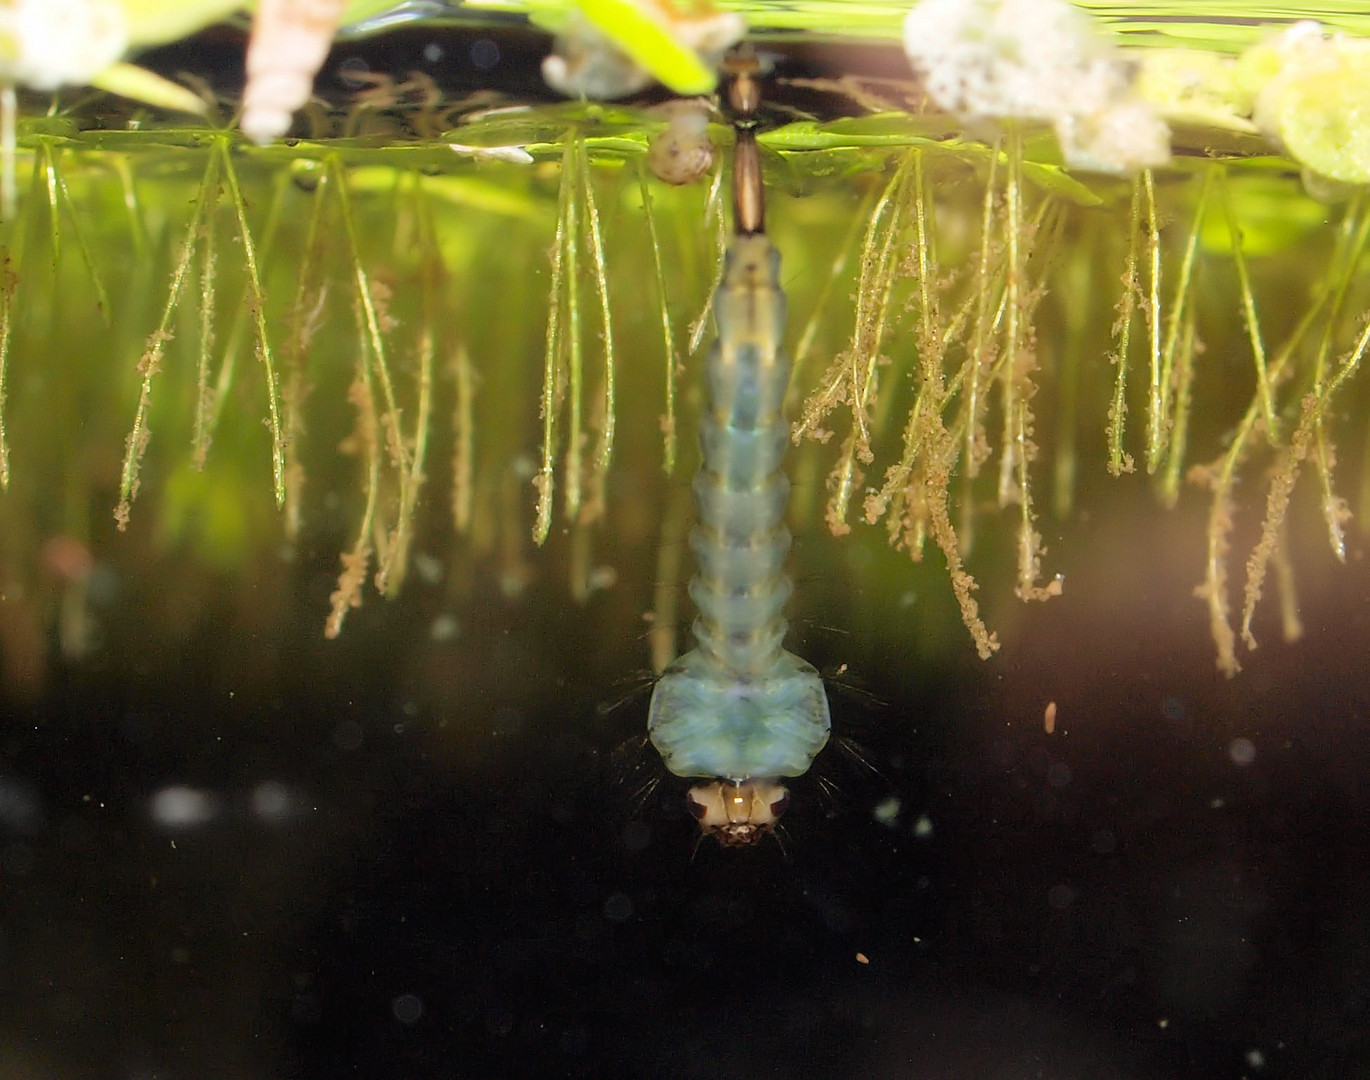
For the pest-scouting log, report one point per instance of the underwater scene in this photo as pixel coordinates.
(635, 538)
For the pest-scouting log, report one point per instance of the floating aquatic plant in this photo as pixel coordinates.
(973, 318)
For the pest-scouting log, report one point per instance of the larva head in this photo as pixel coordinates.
(738, 812)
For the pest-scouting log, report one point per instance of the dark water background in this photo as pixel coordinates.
(430, 859)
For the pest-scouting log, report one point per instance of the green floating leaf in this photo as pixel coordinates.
(613, 145)
(139, 84)
(1324, 122)
(896, 130)
(651, 43)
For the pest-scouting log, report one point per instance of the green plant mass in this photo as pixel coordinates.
(471, 321)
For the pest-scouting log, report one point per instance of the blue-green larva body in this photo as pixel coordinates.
(739, 706)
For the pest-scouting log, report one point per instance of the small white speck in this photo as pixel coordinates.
(1255, 1059)
(1217, 803)
(887, 810)
(922, 828)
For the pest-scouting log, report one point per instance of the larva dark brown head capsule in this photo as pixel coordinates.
(738, 812)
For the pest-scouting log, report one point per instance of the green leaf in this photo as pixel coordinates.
(648, 41)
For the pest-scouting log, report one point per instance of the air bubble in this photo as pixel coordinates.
(408, 1008)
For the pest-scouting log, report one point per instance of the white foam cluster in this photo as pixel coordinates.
(1036, 60)
(46, 44)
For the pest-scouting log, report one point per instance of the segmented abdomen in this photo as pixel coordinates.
(739, 705)
(740, 491)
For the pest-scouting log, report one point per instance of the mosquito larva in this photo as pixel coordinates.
(739, 711)
(290, 39)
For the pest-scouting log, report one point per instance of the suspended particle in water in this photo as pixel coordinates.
(1049, 718)
(407, 1008)
(348, 735)
(20, 810)
(272, 802)
(484, 54)
(1242, 751)
(444, 628)
(618, 907)
(887, 810)
(182, 807)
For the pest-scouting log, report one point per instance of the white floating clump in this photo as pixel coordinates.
(1036, 60)
(46, 44)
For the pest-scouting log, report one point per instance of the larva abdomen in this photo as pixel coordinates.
(739, 706)
(740, 513)
(740, 458)
(739, 562)
(739, 607)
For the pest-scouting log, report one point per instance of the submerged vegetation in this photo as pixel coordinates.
(501, 297)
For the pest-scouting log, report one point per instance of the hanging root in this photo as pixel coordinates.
(257, 306)
(150, 363)
(463, 441)
(668, 422)
(606, 418)
(1119, 461)
(9, 284)
(553, 373)
(365, 440)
